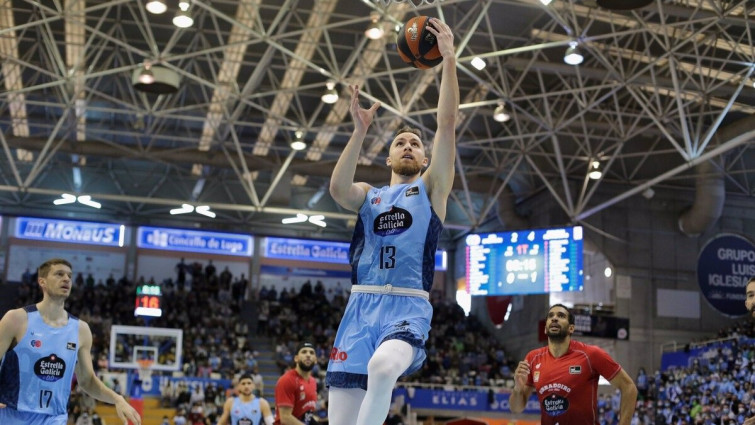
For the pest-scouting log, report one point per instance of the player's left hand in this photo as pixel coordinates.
(445, 37)
(127, 413)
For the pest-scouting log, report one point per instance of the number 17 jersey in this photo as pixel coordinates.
(395, 238)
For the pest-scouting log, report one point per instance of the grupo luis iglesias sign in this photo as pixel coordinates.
(724, 266)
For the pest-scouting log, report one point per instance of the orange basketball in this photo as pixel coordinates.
(417, 46)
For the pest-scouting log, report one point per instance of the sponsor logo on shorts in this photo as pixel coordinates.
(35, 343)
(392, 222)
(402, 325)
(555, 405)
(337, 356)
(50, 368)
(575, 370)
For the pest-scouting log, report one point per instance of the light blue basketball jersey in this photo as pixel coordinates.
(395, 238)
(246, 413)
(36, 374)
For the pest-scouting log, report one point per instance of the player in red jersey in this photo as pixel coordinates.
(565, 375)
(296, 390)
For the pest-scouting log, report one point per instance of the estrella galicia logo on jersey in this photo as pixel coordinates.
(35, 343)
(392, 222)
(50, 368)
(375, 200)
(414, 190)
(71, 345)
(575, 370)
(555, 405)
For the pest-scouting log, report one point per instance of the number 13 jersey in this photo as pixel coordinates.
(395, 238)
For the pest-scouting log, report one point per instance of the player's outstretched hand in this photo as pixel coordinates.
(362, 117)
(750, 421)
(127, 413)
(445, 37)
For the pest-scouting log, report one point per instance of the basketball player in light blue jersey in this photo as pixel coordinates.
(387, 320)
(41, 347)
(246, 409)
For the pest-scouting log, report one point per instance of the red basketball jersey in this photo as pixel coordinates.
(296, 392)
(567, 387)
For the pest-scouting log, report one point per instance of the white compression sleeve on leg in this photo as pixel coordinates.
(390, 360)
(343, 405)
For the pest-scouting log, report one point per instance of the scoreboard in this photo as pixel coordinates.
(148, 301)
(525, 261)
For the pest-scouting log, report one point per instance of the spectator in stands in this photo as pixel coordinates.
(750, 304)
(565, 374)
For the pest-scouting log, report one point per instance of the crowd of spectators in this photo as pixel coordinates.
(716, 387)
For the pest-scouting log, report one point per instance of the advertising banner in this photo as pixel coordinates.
(170, 239)
(478, 401)
(80, 232)
(724, 266)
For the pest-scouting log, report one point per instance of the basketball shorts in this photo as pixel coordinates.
(9, 416)
(369, 320)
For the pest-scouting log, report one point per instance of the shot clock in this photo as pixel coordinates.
(148, 301)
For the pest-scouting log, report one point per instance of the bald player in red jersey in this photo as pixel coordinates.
(565, 376)
(296, 390)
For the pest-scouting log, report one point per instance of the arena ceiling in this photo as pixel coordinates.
(661, 89)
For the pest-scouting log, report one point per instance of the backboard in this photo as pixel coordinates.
(131, 344)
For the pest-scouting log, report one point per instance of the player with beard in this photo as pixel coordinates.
(386, 322)
(246, 409)
(296, 390)
(750, 304)
(565, 375)
(41, 346)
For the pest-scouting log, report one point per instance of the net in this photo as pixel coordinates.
(415, 3)
(145, 368)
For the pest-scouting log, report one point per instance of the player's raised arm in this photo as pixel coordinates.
(440, 174)
(343, 189)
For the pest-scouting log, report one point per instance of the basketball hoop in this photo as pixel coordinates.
(145, 371)
(415, 3)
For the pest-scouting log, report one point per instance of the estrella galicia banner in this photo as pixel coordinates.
(724, 266)
(479, 401)
(321, 251)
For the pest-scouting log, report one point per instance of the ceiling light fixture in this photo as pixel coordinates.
(300, 218)
(298, 144)
(478, 63)
(318, 220)
(87, 200)
(183, 18)
(331, 95)
(573, 55)
(156, 7)
(375, 30)
(205, 211)
(595, 173)
(65, 198)
(500, 114)
(146, 76)
(546, 2)
(185, 209)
